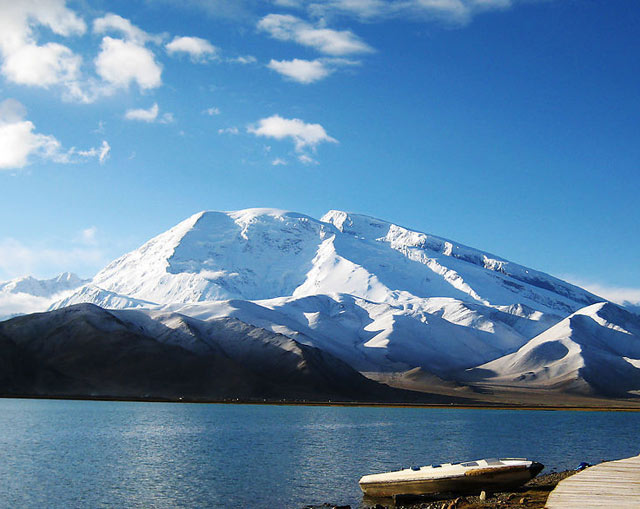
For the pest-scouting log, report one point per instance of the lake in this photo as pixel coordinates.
(57, 453)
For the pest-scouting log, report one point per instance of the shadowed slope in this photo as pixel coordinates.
(84, 350)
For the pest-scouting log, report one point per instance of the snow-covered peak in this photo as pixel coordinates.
(69, 279)
(245, 216)
(42, 287)
(252, 253)
(264, 253)
(28, 294)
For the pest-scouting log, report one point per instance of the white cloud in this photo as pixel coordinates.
(309, 71)
(150, 115)
(285, 27)
(114, 23)
(24, 61)
(143, 115)
(278, 162)
(42, 65)
(123, 62)
(229, 130)
(19, 143)
(200, 50)
(302, 71)
(212, 111)
(302, 134)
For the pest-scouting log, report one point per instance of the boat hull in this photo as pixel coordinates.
(473, 481)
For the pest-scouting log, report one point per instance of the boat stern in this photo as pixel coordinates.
(535, 468)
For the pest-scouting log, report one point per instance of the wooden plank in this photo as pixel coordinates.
(611, 484)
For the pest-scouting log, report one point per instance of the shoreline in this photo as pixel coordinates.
(532, 495)
(479, 406)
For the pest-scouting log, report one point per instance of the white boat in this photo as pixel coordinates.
(464, 477)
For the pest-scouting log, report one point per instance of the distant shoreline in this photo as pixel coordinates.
(479, 406)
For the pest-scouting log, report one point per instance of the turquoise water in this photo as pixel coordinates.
(123, 454)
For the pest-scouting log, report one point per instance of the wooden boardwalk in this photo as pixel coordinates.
(614, 484)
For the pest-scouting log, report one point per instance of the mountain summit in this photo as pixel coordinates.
(259, 254)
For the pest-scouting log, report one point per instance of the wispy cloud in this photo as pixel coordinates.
(244, 60)
(229, 130)
(306, 159)
(453, 11)
(114, 23)
(213, 111)
(18, 259)
(285, 27)
(88, 235)
(102, 153)
(619, 294)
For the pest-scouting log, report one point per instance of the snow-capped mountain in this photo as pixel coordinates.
(43, 287)
(28, 294)
(259, 254)
(378, 296)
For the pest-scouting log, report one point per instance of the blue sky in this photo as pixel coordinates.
(507, 125)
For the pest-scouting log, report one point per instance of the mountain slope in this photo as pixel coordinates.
(85, 350)
(253, 254)
(596, 349)
(438, 334)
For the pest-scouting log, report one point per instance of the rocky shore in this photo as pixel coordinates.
(532, 495)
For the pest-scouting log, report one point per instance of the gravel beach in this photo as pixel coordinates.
(532, 495)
